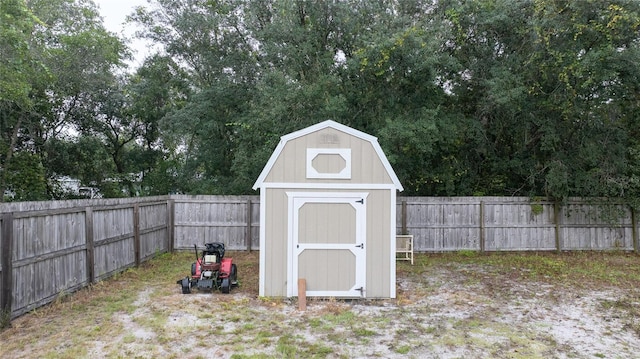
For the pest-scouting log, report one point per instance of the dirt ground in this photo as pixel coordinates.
(448, 306)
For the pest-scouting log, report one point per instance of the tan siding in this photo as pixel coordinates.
(276, 243)
(378, 244)
(366, 166)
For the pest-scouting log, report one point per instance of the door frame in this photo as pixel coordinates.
(295, 201)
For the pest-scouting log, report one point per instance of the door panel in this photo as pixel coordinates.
(328, 244)
(323, 223)
(338, 275)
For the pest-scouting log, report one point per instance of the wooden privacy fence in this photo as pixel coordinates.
(515, 224)
(233, 220)
(438, 224)
(46, 252)
(48, 248)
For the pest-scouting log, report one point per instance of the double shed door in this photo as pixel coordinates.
(327, 237)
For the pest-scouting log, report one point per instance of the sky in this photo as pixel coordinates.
(114, 13)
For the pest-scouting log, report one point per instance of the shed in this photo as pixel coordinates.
(328, 215)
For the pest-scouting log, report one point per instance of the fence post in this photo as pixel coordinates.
(482, 229)
(88, 230)
(247, 235)
(404, 217)
(557, 218)
(170, 215)
(6, 278)
(634, 231)
(136, 233)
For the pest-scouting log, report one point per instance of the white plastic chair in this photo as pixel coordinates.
(404, 247)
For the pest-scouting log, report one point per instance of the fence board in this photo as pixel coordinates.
(6, 274)
(153, 229)
(113, 257)
(39, 282)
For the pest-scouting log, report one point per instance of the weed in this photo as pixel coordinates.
(286, 346)
(342, 318)
(319, 350)
(467, 253)
(254, 356)
(5, 318)
(404, 349)
(315, 322)
(364, 332)
(129, 338)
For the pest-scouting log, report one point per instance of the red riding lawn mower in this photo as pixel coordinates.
(211, 270)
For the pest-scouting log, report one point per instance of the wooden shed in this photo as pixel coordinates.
(328, 215)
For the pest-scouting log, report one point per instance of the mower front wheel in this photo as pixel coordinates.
(225, 286)
(186, 286)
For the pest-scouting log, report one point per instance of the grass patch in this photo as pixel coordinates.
(403, 349)
(582, 269)
(625, 309)
(448, 302)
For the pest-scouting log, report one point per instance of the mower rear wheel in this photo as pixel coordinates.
(233, 276)
(186, 286)
(225, 285)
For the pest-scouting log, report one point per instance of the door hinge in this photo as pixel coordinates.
(361, 201)
(361, 290)
(361, 245)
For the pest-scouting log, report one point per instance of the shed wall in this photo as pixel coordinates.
(378, 243)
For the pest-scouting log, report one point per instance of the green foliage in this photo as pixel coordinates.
(489, 97)
(486, 97)
(25, 178)
(16, 65)
(5, 318)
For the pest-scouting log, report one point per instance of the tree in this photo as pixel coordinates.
(158, 88)
(493, 97)
(60, 58)
(20, 72)
(545, 81)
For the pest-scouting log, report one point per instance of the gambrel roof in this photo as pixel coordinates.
(321, 126)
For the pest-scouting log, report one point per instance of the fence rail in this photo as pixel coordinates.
(48, 248)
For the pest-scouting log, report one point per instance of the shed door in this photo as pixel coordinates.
(329, 244)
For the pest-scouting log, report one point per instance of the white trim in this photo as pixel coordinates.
(295, 201)
(392, 250)
(263, 248)
(332, 294)
(322, 125)
(345, 186)
(345, 153)
(269, 165)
